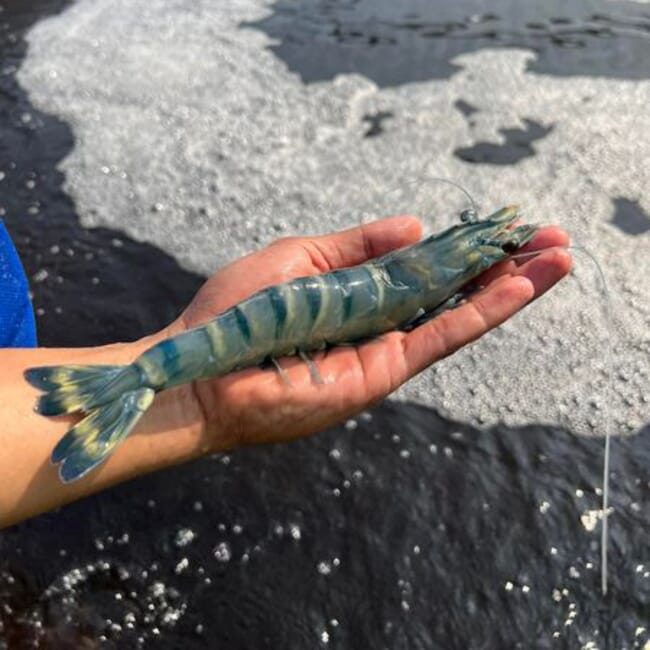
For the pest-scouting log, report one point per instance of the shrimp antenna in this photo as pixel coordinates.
(458, 186)
(604, 531)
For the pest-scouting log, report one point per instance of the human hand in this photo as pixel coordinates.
(255, 405)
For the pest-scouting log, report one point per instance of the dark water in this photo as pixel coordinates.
(407, 531)
(399, 530)
(630, 217)
(394, 43)
(376, 123)
(81, 277)
(517, 144)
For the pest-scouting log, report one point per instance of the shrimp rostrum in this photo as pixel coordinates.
(397, 291)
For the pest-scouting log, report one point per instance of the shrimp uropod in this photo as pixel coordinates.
(397, 291)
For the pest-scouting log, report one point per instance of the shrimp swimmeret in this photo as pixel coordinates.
(397, 291)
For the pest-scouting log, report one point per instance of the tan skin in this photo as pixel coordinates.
(255, 405)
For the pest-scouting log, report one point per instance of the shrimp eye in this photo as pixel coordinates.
(509, 247)
(469, 216)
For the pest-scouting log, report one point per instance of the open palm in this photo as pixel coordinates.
(256, 405)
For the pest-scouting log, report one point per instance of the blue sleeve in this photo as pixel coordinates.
(17, 326)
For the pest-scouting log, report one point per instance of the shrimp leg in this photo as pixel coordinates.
(313, 368)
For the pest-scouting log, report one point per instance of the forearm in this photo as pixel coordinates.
(170, 432)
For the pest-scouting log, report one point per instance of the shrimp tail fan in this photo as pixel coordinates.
(113, 399)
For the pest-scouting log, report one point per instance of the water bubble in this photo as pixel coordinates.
(172, 615)
(184, 537)
(335, 454)
(158, 589)
(222, 552)
(324, 568)
(590, 518)
(295, 532)
(181, 566)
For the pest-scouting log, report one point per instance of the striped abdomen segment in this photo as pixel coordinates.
(304, 314)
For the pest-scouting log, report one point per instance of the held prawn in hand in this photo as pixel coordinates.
(397, 291)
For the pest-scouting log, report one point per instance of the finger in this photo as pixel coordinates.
(546, 237)
(488, 309)
(445, 334)
(355, 246)
(546, 269)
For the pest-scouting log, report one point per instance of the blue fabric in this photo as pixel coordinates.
(17, 326)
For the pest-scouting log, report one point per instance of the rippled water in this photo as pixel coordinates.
(399, 529)
(394, 43)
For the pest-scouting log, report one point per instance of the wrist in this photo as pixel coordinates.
(172, 431)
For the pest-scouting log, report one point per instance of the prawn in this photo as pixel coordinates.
(399, 290)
